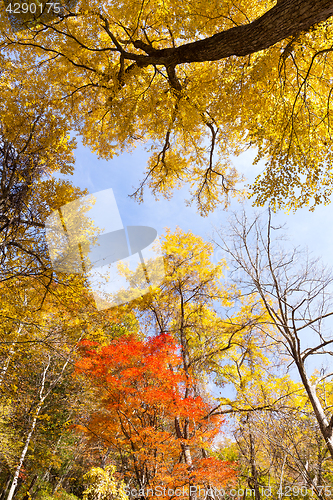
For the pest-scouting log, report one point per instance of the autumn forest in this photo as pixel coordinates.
(206, 378)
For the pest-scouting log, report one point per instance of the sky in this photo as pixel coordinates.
(123, 174)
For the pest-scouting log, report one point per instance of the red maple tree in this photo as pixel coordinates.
(150, 419)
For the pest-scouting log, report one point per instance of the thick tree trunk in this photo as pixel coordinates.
(287, 18)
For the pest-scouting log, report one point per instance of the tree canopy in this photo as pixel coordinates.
(196, 83)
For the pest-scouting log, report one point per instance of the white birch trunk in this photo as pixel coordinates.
(9, 356)
(33, 425)
(27, 441)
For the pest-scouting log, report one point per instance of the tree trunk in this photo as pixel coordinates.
(9, 356)
(4, 491)
(23, 454)
(187, 454)
(254, 472)
(6, 363)
(286, 19)
(28, 439)
(324, 426)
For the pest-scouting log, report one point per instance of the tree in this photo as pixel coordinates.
(43, 394)
(296, 294)
(281, 447)
(101, 485)
(289, 450)
(39, 397)
(34, 144)
(197, 82)
(150, 417)
(219, 339)
(219, 335)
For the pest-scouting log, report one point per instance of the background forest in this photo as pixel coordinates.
(218, 382)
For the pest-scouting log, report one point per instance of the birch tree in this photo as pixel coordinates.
(45, 390)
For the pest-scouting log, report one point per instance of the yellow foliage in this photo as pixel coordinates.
(101, 485)
(277, 100)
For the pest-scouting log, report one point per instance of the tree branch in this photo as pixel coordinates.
(286, 19)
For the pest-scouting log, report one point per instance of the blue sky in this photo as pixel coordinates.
(123, 173)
